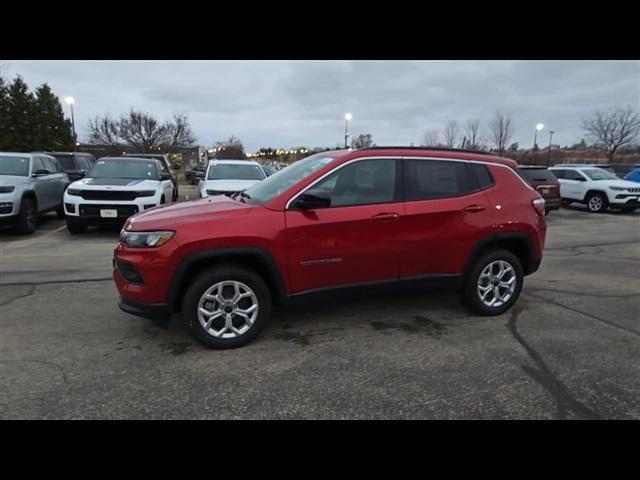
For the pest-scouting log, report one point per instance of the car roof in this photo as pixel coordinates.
(68, 154)
(231, 160)
(19, 154)
(443, 153)
(580, 165)
(128, 159)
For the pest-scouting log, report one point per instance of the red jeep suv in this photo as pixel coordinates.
(336, 219)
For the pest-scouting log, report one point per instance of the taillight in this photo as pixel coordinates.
(538, 205)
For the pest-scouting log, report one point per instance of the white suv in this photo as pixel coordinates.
(596, 188)
(115, 189)
(227, 177)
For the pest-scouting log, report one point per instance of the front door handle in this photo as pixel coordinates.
(385, 216)
(473, 208)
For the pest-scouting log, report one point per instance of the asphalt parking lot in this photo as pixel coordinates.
(569, 349)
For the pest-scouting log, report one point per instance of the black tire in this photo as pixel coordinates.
(565, 203)
(207, 279)
(75, 225)
(597, 202)
(162, 200)
(469, 294)
(27, 221)
(175, 194)
(60, 212)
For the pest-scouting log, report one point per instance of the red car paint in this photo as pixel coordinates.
(338, 246)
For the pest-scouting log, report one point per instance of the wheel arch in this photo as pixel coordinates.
(517, 243)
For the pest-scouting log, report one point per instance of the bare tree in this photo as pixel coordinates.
(431, 138)
(230, 148)
(501, 130)
(363, 140)
(142, 132)
(472, 131)
(450, 133)
(613, 129)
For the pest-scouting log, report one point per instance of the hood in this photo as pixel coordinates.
(229, 185)
(194, 211)
(617, 183)
(119, 184)
(13, 180)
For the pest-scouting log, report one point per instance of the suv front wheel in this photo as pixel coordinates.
(597, 202)
(227, 306)
(494, 284)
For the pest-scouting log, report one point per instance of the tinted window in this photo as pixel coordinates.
(38, 164)
(361, 183)
(49, 164)
(124, 169)
(538, 174)
(558, 173)
(482, 174)
(427, 179)
(572, 175)
(83, 163)
(66, 161)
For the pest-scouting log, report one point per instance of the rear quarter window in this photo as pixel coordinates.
(538, 175)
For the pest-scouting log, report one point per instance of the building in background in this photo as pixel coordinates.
(187, 157)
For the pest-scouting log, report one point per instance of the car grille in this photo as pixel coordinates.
(6, 207)
(124, 211)
(109, 195)
(633, 190)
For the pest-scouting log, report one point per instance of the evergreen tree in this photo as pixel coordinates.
(4, 115)
(53, 132)
(20, 131)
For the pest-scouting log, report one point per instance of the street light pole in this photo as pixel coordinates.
(539, 127)
(551, 132)
(347, 117)
(70, 101)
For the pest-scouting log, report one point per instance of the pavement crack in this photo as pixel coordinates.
(28, 294)
(43, 362)
(589, 315)
(583, 294)
(543, 375)
(55, 282)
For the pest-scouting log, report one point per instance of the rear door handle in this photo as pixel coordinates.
(385, 216)
(473, 208)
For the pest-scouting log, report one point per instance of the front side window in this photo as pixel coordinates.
(431, 179)
(232, 171)
(599, 174)
(573, 175)
(18, 166)
(124, 169)
(360, 183)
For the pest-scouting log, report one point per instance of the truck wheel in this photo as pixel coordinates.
(597, 202)
(60, 212)
(227, 306)
(175, 194)
(28, 217)
(494, 284)
(75, 225)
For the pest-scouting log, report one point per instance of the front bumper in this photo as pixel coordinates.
(158, 312)
(90, 210)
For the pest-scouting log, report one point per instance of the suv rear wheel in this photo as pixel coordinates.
(597, 202)
(494, 284)
(227, 306)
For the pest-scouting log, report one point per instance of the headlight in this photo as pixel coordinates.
(146, 193)
(618, 189)
(73, 191)
(145, 239)
(7, 189)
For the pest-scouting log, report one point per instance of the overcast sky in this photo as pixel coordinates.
(302, 103)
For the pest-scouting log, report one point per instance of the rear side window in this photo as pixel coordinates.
(83, 163)
(430, 179)
(483, 177)
(558, 173)
(538, 174)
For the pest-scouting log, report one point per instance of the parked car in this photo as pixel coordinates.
(114, 189)
(269, 170)
(619, 169)
(75, 164)
(30, 184)
(633, 176)
(196, 174)
(166, 168)
(229, 177)
(378, 216)
(596, 188)
(545, 182)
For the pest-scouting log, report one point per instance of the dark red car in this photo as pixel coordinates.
(545, 182)
(379, 216)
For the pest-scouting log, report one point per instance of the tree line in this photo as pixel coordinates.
(32, 121)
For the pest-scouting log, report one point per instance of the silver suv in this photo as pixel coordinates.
(30, 184)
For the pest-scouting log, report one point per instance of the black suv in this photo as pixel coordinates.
(166, 168)
(75, 164)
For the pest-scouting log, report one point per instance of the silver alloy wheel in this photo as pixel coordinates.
(496, 283)
(595, 203)
(227, 309)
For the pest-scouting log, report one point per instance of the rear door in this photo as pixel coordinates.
(446, 212)
(353, 241)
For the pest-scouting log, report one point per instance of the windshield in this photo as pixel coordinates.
(124, 169)
(232, 171)
(538, 175)
(18, 166)
(284, 179)
(599, 174)
(66, 161)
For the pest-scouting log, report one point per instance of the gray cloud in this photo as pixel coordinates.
(293, 103)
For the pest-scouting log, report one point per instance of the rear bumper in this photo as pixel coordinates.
(552, 203)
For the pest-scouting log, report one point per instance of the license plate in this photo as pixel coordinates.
(545, 191)
(109, 213)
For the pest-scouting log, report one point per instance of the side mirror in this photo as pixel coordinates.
(580, 179)
(312, 199)
(39, 172)
(177, 166)
(165, 176)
